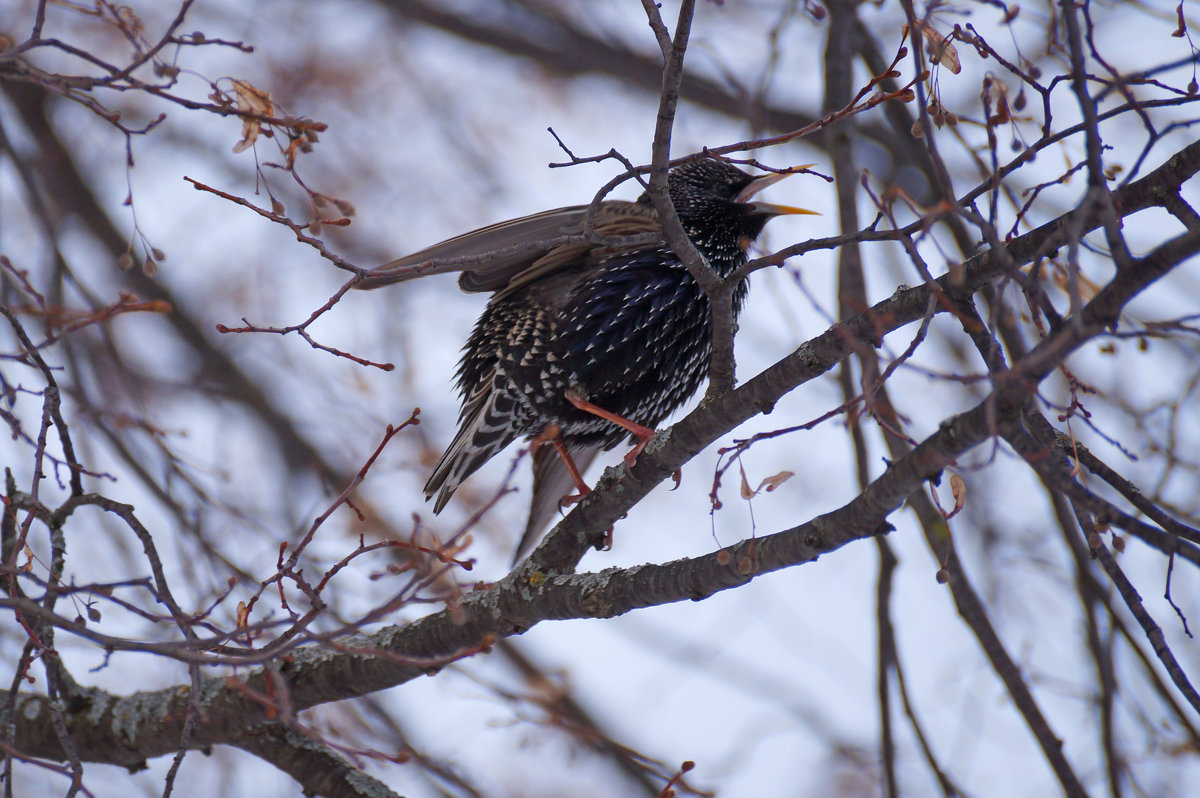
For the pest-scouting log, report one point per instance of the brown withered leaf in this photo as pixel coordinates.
(958, 487)
(768, 484)
(243, 614)
(775, 480)
(940, 49)
(995, 95)
(252, 101)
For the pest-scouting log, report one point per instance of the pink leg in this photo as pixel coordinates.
(642, 433)
(552, 434)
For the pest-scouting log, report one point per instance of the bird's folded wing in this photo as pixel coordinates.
(492, 256)
(613, 220)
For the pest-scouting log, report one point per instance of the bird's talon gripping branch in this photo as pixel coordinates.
(571, 499)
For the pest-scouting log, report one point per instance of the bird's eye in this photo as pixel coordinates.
(723, 190)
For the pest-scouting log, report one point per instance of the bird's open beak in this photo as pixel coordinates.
(766, 208)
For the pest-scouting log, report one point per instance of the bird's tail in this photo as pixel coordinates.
(486, 427)
(551, 482)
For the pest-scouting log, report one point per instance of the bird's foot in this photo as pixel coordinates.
(632, 456)
(571, 499)
(631, 460)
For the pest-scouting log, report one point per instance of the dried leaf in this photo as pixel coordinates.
(1180, 31)
(769, 484)
(129, 20)
(243, 614)
(774, 481)
(958, 487)
(941, 50)
(747, 493)
(252, 101)
(995, 98)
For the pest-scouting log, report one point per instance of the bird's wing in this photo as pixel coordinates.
(504, 247)
(491, 257)
(551, 482)
(613, 220)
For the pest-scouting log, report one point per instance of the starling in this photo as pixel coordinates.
(584, 343)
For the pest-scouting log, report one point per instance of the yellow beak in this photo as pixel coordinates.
(766, 208)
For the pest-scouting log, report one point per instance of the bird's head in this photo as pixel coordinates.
(711, 194)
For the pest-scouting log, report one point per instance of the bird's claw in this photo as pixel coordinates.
(631, 461)
(632, 457)
(571, 499)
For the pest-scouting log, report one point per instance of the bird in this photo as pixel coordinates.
(586, 340)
